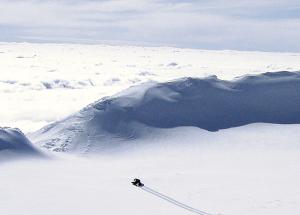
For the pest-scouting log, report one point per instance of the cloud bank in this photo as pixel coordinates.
(269, 25)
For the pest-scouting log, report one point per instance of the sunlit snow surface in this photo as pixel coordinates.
(248, 170)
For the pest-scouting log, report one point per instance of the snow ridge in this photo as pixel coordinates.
(209, 103)
(14, 142)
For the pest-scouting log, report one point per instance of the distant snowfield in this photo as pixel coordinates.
(41, 83)
(248, 170)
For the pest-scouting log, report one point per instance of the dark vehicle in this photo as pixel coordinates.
(137, 182)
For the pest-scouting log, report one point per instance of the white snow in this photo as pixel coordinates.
(49, 81)
(249, 170)
(206, 103)
(14, 144)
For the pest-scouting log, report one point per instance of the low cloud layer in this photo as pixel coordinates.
(217, 24)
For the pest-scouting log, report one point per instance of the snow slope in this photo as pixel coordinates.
(14, 143)
(248, 170)
(207, 103)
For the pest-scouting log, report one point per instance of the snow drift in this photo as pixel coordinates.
(13, 142)
(208, 103)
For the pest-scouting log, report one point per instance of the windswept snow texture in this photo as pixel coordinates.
(213, 104)
(208, 103)
(13, 141)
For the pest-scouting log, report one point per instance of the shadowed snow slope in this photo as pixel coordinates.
(209, 103)
(14, 142)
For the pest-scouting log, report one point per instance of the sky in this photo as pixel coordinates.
(255, 25)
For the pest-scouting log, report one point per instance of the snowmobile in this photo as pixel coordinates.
(137, 182)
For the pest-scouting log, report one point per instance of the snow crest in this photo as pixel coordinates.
(14, 143)
(209, 103)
